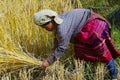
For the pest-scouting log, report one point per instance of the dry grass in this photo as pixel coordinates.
(21, 41)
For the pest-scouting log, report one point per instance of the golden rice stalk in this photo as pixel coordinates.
(18, 31)
(13, 60)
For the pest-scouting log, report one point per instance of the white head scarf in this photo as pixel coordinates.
(43, 16)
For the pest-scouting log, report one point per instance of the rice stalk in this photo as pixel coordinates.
(14, 60)
(100, 72)
(79, 70)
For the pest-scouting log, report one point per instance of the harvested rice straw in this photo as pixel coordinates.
(13, 60)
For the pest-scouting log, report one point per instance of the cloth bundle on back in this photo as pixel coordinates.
(88, 31)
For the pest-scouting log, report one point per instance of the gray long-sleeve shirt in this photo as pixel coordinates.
(72, 24)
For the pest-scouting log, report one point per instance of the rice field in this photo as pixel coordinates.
(23, 45)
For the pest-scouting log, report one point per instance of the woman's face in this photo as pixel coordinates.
(49, 26)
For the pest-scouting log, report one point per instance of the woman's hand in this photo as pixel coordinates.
(45, 64)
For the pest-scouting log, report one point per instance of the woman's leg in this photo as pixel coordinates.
(112, 69)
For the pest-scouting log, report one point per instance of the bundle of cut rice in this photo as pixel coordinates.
(13, 60)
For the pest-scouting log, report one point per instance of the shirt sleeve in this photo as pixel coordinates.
(59, 48)
(55, 43)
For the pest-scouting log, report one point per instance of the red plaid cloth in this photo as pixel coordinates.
(93, 43)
